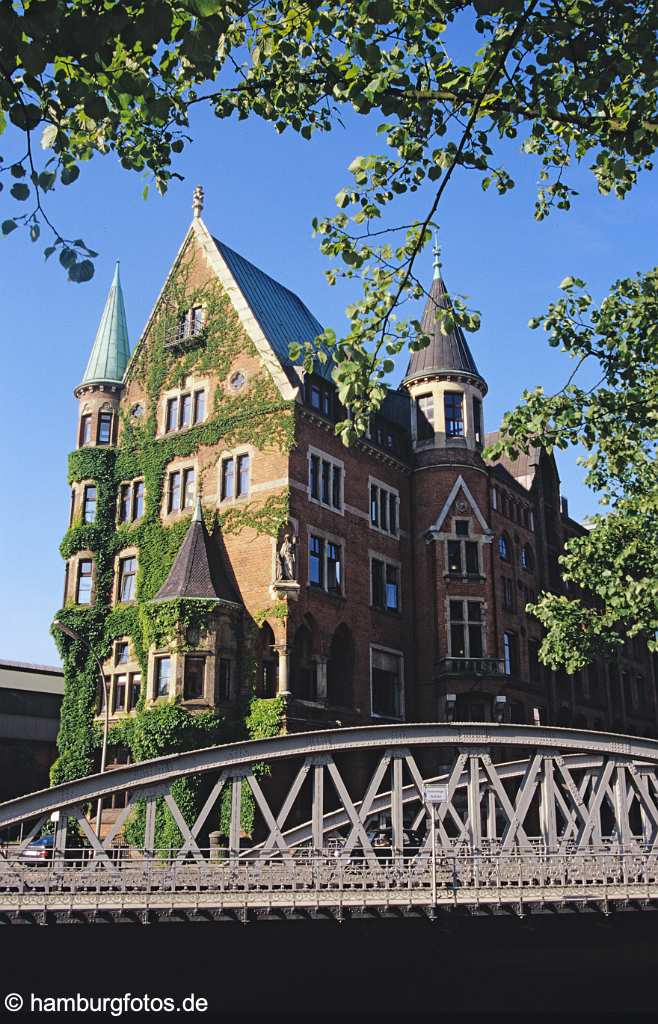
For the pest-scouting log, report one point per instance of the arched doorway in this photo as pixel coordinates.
(269, 662)
(340, 668)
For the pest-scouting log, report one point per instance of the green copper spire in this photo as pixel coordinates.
(111, 349)
(436, 262)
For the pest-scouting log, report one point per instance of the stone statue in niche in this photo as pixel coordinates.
(286, 558)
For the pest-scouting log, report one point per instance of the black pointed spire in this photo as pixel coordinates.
(446, 353)
(197, 571)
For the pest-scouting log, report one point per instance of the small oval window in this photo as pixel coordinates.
(238, 380)
(137, 411)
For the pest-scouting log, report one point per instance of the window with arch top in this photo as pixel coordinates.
(527, 558)
(504, 547)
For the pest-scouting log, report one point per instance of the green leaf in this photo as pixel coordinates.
(25, 116)
(80, 272)
(67, 258)
(69, 174)
(20, 191)
(8, 226)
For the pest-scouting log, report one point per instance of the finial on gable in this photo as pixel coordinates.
(198, 513)
(197, 201)
(436, 262)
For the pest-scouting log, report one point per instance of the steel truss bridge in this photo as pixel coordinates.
(530, 819)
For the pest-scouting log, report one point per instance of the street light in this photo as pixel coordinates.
(73, 635)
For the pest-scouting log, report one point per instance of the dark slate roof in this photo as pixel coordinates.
(524, 465)
(445, 352)
(396, 408)
(282, 315)
(197, 570)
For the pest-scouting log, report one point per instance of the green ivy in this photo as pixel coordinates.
(259, 417)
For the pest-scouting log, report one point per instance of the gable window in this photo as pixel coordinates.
(466, 629)
(325, 480)
(243, 475)
(173, 492)
(127, 573)
(325, 564)
(511, 654)
(319, 397)
(104, 428)
(477, 420)
(89, 504)
(190, 323)
(121, 652)
(385, 585)
(454, 413)
(425, 417)
(185, 411)
(384, 509)
(162, 676)
(84, 582)
(386, 684)
(503, 547)
(463, 554)
(131, 501)
(224, 679)
(235, 477)
(85, 430)
(171, 421)
(194, 674)
(508, 594)
(228, 478)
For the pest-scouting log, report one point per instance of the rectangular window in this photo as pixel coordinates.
(466, 629)
(385, 580)
(224, 680)
(384, 509)
(326, 477)
(454, 414)
(162, 676)
(89, 505)
(477, 420)
(386, 683)
(510, 654)
(316, 561)
(185, 410)
(199, 406)
(124, 503)
(326, 402)
(127, 572)
(462, 527)
(84, 583)
(188, 488)
(472, 558)
(508, 593)
(134, 690)
(392, 587)
(120, 683)
(378, 585)
(336, 487)
(104, 428)
(85, 430)
(228, 478)
(454, 557)
(393, 513)
(171, 422)
(374, 505)
(316, 397)
(196, 319)
(193, 681)
(315, 477)
(243, 476)
(66, 582)
(334, 572)
(173, 499)
(121, 652)
(138, 499)
(425, 417)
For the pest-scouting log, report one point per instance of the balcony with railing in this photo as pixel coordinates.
(188, 331)
(480, 667)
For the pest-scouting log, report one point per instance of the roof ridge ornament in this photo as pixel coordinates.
(197, 201)
(436, 253)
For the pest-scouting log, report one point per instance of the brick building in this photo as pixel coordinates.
(396, 587)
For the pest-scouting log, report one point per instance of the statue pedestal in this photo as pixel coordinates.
(285, 588)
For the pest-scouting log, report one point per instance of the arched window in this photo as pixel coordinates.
(527, 558)
(304, 674)
(340, 668)
(504, 547)
(269, 662)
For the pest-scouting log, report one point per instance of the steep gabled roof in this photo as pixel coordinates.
(445, 353)
(111, 349)
(282, 315)
(197, 571)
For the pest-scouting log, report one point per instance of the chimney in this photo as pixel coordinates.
(564, 506)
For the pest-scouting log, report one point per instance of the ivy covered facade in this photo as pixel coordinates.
(239, 572)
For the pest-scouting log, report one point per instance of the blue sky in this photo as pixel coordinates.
(262, 191)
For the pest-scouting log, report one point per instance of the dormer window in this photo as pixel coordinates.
(190, 323)
(454, 413)
(318, 396)
(425, 417)
(104, 435)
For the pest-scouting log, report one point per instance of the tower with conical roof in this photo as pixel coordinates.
(443, 380)
(101, 386)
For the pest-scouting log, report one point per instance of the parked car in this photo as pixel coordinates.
(40, 850)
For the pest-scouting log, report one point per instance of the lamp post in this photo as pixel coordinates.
(73, 635)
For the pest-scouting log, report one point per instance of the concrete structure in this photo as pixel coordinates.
(30, 701)
(407, 562)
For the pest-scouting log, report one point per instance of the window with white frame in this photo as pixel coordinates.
(386, 683)
(162, 676)
(127, 578)
(384, 508)
(325, 480)
(84, 582)
(131, 501)
(466, 628)
(184, 410)
(325, 563)
(384, 584)
(180, 489)
(234, 476)
(463, 552)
